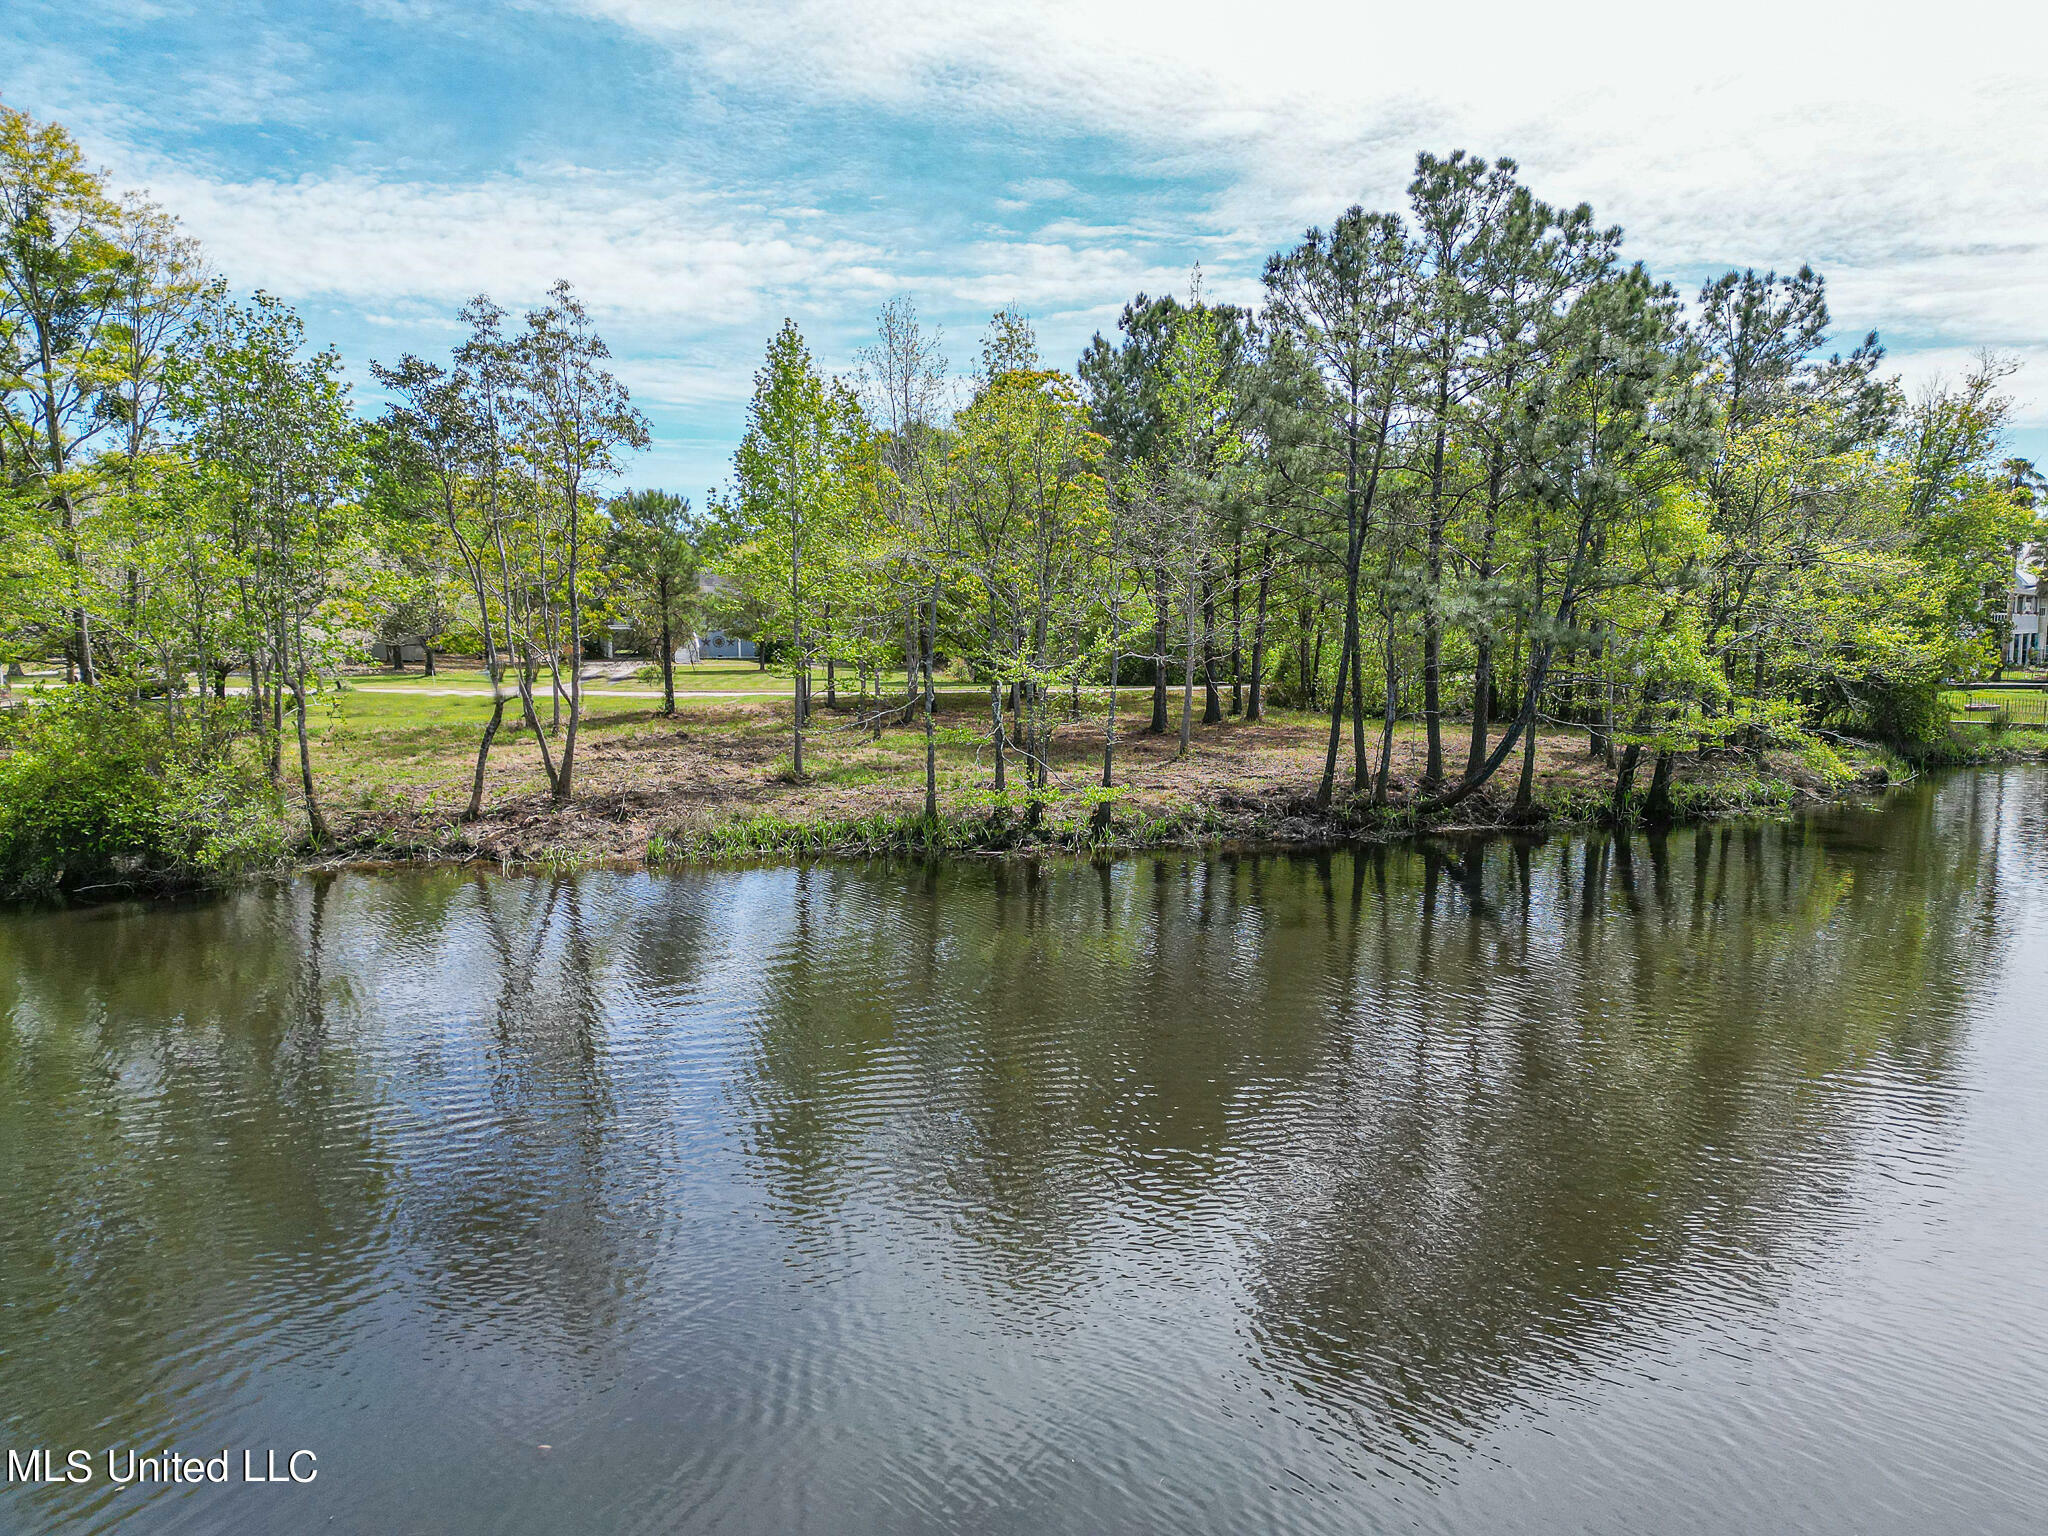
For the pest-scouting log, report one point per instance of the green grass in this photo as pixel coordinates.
(766, 834)
(735, 677)
(1999, 707)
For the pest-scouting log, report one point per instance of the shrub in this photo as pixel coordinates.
(96, 791)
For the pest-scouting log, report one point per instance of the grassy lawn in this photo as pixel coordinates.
(394, 754)
(1981, 706)
(394, 769)
(630, 676)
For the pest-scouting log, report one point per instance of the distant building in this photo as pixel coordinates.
(2023, 646)
(395, 653)
(717, 645)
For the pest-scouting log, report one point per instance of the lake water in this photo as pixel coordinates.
(1690, 1184)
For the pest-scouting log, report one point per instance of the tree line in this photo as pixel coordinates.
(1462, 464)
(200, 522)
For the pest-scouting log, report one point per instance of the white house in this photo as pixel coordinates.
(2024, 643)
(716, 645)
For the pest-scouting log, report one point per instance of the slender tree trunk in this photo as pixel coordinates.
(1358, 769)
(1347, 658)
(668, 649)
(278, 684)
(1432, 617)
(316, 823)
(1212, 704)
(1099, 820)
(1482, 665)
(494, 669)
(910, 657)
(931, 749)
(483, 755)
(1392, 710)
(1158, 726)
(1255, 707)
(1327, 787)
(801, 667)
(1482, 702)
(995, 707)
(1237, 623)
(1525, 790)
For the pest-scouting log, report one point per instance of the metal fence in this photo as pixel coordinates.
(2002, 707)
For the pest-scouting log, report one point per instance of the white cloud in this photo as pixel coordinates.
(1931, 367)
(689, 255)
(685, 382)
(1903, 152)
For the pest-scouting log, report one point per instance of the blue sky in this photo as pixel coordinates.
(700, 170)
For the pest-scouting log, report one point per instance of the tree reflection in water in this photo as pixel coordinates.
(1469, 1117)
(1033, 1194)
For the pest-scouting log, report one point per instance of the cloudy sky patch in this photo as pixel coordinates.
(700, 170)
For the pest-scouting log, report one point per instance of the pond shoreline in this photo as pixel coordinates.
(601, 831)
(1286, 820)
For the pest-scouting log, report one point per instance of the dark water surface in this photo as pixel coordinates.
(1689, 1184)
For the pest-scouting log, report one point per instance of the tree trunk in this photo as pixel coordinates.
(1358, 770)
(1348, 662)
(1255, 706)
(565, 774)
(316, 824)
(1212, 704)
(910, 658)
(1392, 711)
(1432, 619)
(1099, 819)
(1657, 804)
(1327, 787)
(668, 652)
(1237, 623)
(1525, 789)
(1158, 726)
(801, 667)
(931, 750)
(995, 707)
(1625, 779)
(1482, 703)
(799, 716)
(483, 754)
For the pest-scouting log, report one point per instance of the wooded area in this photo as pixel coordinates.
(1462, 464)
